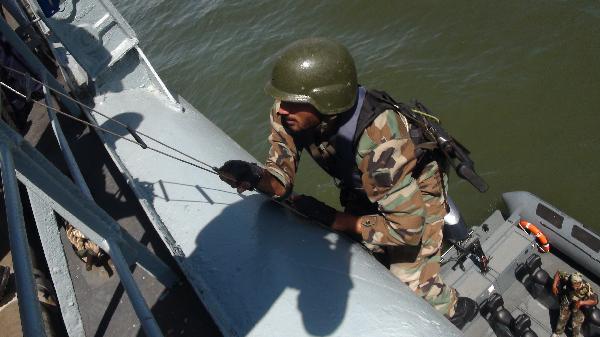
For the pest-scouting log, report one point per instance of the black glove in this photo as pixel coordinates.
(314, 209)
(241, 174)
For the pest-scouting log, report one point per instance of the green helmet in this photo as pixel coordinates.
(317, 71)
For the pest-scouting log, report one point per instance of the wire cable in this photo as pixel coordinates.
(26, 75)
(211, 169)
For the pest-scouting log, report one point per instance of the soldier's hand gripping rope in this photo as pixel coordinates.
(245, 176)
(240, 174)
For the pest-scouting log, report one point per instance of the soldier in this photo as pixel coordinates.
(574, 293)
(392, 202)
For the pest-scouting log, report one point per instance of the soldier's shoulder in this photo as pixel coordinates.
(386, 126)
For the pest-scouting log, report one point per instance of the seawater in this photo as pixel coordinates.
(517, 82)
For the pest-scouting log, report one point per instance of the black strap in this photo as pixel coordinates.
(27, 87)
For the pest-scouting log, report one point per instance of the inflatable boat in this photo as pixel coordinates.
(507, 264)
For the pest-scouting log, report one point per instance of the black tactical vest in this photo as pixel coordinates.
(336, 151)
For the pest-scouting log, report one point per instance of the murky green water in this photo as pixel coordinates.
(518, 82)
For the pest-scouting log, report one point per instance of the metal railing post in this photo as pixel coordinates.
(135, 295)
(29, 306)
(48, 230)
(64, 147)
(16, 11)
(54, 192)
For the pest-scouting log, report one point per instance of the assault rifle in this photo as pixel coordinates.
(434, 137)
(472, 248)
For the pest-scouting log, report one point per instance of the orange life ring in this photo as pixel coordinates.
(543, 244)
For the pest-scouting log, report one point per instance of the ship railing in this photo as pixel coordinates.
(50, 194)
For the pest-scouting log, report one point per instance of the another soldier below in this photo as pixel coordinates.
(574, 293)
(392, 201)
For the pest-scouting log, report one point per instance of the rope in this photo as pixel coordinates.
(210, 168)
(116, 121)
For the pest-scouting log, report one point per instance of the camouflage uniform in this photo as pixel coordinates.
(408, 218)
(568, 297)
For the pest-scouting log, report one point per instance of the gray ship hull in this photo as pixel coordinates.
(259, 269)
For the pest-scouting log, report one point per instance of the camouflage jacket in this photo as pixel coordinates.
(569, 295)
(385, 158)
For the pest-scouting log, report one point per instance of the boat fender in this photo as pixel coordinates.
(593, 317)
(543, 244)
(521, 325)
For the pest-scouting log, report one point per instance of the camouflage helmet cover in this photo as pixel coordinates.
(576, 278)
(317, 71)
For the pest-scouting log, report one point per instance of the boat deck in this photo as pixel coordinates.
(509, 249)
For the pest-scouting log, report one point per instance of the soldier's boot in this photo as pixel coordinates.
(465, 310)
(4, 276)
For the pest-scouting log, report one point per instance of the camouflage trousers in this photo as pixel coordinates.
(577, 319)
(418, 267)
